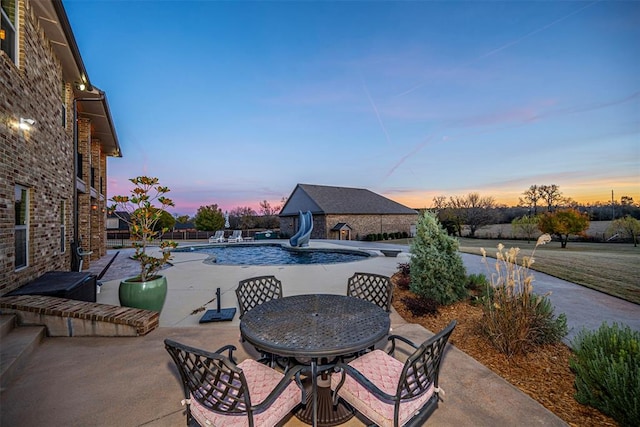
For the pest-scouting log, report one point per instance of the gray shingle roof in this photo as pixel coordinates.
(322, 199)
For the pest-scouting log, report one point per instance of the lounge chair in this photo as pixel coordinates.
(235, 237)
(218, 237)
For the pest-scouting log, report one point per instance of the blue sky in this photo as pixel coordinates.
(236, 102)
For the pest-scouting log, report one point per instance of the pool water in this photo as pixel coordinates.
(275, 255)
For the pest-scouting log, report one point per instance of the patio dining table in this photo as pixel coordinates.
(318, 328)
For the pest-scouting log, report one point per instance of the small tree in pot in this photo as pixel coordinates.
(145, 206)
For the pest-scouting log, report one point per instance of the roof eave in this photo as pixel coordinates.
(55, 23)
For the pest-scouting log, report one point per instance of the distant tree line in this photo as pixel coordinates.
(475, 211)
(542, 208)
(212, 218)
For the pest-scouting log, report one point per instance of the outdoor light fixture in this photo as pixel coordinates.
(81, 86)
(94, 207)
(25, 124)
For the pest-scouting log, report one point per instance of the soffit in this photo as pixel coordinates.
(92, 103)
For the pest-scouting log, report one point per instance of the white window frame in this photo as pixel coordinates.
(15, 29)
(20, 192)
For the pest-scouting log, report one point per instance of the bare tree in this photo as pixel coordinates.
(440, 203)
(269, 218)
(445, 214)
(479, 212)
(457, 212)
(551, 194)
(266, 209)
(531, 197)
(242, 217)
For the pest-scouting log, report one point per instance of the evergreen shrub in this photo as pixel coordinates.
(437, 271)
(607, 367)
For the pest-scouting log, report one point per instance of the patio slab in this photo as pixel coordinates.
(132, 381)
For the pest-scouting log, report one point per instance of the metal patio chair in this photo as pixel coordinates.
(388, 392)
(375, 288)
(256, 290)
(219, 392)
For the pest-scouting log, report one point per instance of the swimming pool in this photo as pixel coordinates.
(270, 254)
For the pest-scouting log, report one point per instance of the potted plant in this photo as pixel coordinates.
(144, 207)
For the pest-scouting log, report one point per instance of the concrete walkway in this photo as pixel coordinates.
(132, 382)
(585, 308)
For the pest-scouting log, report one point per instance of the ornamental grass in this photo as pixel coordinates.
(515, 318)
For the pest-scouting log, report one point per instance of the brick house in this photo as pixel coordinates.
(56, 133)
(344, 213)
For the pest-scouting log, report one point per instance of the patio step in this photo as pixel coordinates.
(18, 342)
(64, 317)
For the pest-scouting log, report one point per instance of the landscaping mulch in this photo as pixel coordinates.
(544, 374)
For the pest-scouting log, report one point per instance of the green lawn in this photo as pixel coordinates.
(612, 268)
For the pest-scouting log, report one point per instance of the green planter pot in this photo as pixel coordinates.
(149, 295)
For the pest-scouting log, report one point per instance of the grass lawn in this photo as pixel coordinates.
(612, 268)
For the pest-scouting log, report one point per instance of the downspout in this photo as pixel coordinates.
(75, 243)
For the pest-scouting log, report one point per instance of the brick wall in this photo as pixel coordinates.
(40, 159)
(361, 225)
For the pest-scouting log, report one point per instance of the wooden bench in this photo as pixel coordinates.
(71, 318)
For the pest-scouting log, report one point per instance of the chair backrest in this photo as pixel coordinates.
(219, 234)
(421, 369)
(236, 234)
(256, 290)
(371, 287)
(211, 378)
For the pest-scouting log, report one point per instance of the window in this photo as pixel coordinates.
(8, 28)
(22, 227)
(63, 229)
(113, 223)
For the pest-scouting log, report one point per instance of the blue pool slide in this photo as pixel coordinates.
(305, 226)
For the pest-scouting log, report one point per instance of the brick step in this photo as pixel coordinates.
(71, 318)
(17, 346)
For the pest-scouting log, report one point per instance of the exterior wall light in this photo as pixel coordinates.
(25, 124)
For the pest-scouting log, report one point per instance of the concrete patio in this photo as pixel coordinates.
(132, 381)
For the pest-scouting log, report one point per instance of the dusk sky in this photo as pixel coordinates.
(234, 102)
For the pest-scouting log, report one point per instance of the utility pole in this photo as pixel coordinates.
(613, 209)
